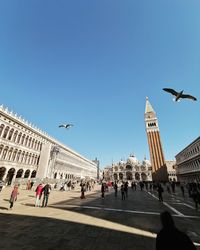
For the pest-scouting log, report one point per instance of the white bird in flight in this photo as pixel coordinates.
(66, 125)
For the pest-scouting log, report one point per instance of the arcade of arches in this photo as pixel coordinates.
(130, 176)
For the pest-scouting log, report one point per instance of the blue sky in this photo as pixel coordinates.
(92, 63)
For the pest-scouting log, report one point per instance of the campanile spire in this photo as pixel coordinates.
(159, 171)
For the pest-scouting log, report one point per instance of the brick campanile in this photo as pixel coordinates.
(159, 170)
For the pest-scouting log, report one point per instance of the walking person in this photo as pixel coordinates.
(38, 195)
(126, 189)
(82, 191)
(102, 190)
(170, 237)
(122, 192)
(182, 190)
(160, 191)
(196, 197)
(46, 191)
(13, 196)
(116, 189)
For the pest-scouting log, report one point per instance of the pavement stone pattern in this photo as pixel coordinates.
(92, 223)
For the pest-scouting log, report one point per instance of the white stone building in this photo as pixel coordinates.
(132, 170)
(171, 170)
(27, 152)
(188, 162)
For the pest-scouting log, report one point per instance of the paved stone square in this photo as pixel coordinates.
(92, 223)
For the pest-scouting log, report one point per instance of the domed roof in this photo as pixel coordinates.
(121, 162)
(133, 160)
(146, 162)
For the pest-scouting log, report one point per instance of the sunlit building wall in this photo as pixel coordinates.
(27, 152)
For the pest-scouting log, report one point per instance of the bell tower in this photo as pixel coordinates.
(159, 170)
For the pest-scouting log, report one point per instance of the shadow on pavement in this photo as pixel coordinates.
(3, 208)
(26, 232)
(94, 206)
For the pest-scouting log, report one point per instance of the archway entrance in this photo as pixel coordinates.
(129, 176)
(120, 176)
(33, 174)
(27, 173)
(115, 177)
(2, 172)
(143, 176)
(19, 173)
(137, 176)
(10, 175)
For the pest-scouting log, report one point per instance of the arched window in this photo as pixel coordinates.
(15, 136)
(33, 141)
(26, 141)
(6, 132)
(26, 158)
(14, 155)
(19, 137)
(18, 155)
(1, 129)
(23, 139)
(29, 142)
(10, 154)
(10, 134)
(23, 156)
(1, 148)
(4, 153)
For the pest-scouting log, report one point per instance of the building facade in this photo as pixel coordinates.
(159, 169)
(171, 170)
(27, 152)
(188, 162)
(130, 170)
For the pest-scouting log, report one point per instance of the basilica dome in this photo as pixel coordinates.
(146, 162)
(132, 160)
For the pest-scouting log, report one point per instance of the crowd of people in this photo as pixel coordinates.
(193, 189)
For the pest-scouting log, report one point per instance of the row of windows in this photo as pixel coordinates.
(152, 124)
(130, 168)
(17, 137)
(63, 176)
(193, 164)
(194, 150)
(16, 155)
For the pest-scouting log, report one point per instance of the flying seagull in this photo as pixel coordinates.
(66, 125)
(179, 95)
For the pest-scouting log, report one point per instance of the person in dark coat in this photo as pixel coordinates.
(116, 189)
(122, 192)
(103, 190)
(160, 191)
(82, 191)
(170, 237)
(46, 191)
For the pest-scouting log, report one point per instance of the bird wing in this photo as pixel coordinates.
(61, 126)
(189, 97)
(68, 125)
(172, 91)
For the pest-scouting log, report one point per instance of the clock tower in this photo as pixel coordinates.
(159, 170)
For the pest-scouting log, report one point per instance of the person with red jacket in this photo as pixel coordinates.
(13, 196)
(38, 191)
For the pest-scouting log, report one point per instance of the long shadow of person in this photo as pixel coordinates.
(171, 237)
